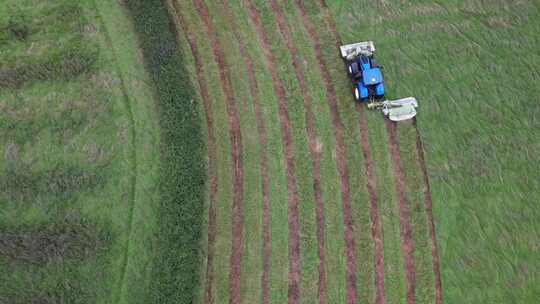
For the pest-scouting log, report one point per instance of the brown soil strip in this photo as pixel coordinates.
(313, 148)
(429, 213)
(207, 105)
(286, 138)
(376, 230)
(341, 157)
(407, 246)
(236, 154)
(248, 62)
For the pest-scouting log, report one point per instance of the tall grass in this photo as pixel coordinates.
(176, 269)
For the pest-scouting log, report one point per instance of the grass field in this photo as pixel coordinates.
(413, 58)
(290, 85)
(81, 155)
(211, 151)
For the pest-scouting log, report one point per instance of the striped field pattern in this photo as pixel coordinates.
(314, 205)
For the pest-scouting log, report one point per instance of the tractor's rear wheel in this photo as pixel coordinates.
(356, 93)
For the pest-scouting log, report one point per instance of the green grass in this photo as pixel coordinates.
(182, 177)
(102, 175)
(223, 156)
(79, 174)
(251, 258)
(330, 182)
(476, 64)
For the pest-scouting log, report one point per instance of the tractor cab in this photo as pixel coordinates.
(368, 78)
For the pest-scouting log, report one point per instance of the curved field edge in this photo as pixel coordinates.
(129, 137)
(139, 98)
(175, 272)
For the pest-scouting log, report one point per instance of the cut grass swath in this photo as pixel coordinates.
(313, 148)
(248, 61)
(236, 155)
(376, 229)
(294, 244)
(407, 246)
(429, 214)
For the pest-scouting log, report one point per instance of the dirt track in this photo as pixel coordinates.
(407, 246)
(248, 62)
(376, 230)
(207, 105)
(236, 155)
(429, 214)
(286, 139)
(313, 149)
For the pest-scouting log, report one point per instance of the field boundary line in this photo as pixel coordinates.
(207, 105)
(286, 138)
(133, 154)
(429, 214)
(314, 149)
(235, 138)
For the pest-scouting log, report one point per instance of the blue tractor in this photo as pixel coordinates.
(364, 70)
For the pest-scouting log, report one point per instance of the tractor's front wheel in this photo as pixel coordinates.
(356, 93)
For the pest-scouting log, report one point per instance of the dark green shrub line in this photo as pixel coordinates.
(175, 276)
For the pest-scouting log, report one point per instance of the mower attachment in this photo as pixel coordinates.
(350, 51)
(397, 110)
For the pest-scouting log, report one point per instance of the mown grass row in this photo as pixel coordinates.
(176, 269)
(360, 200)
(223, 156)
(394, 275)
(252, 236)
(252, 252)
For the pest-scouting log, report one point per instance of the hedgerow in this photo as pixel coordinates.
(177, 261)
